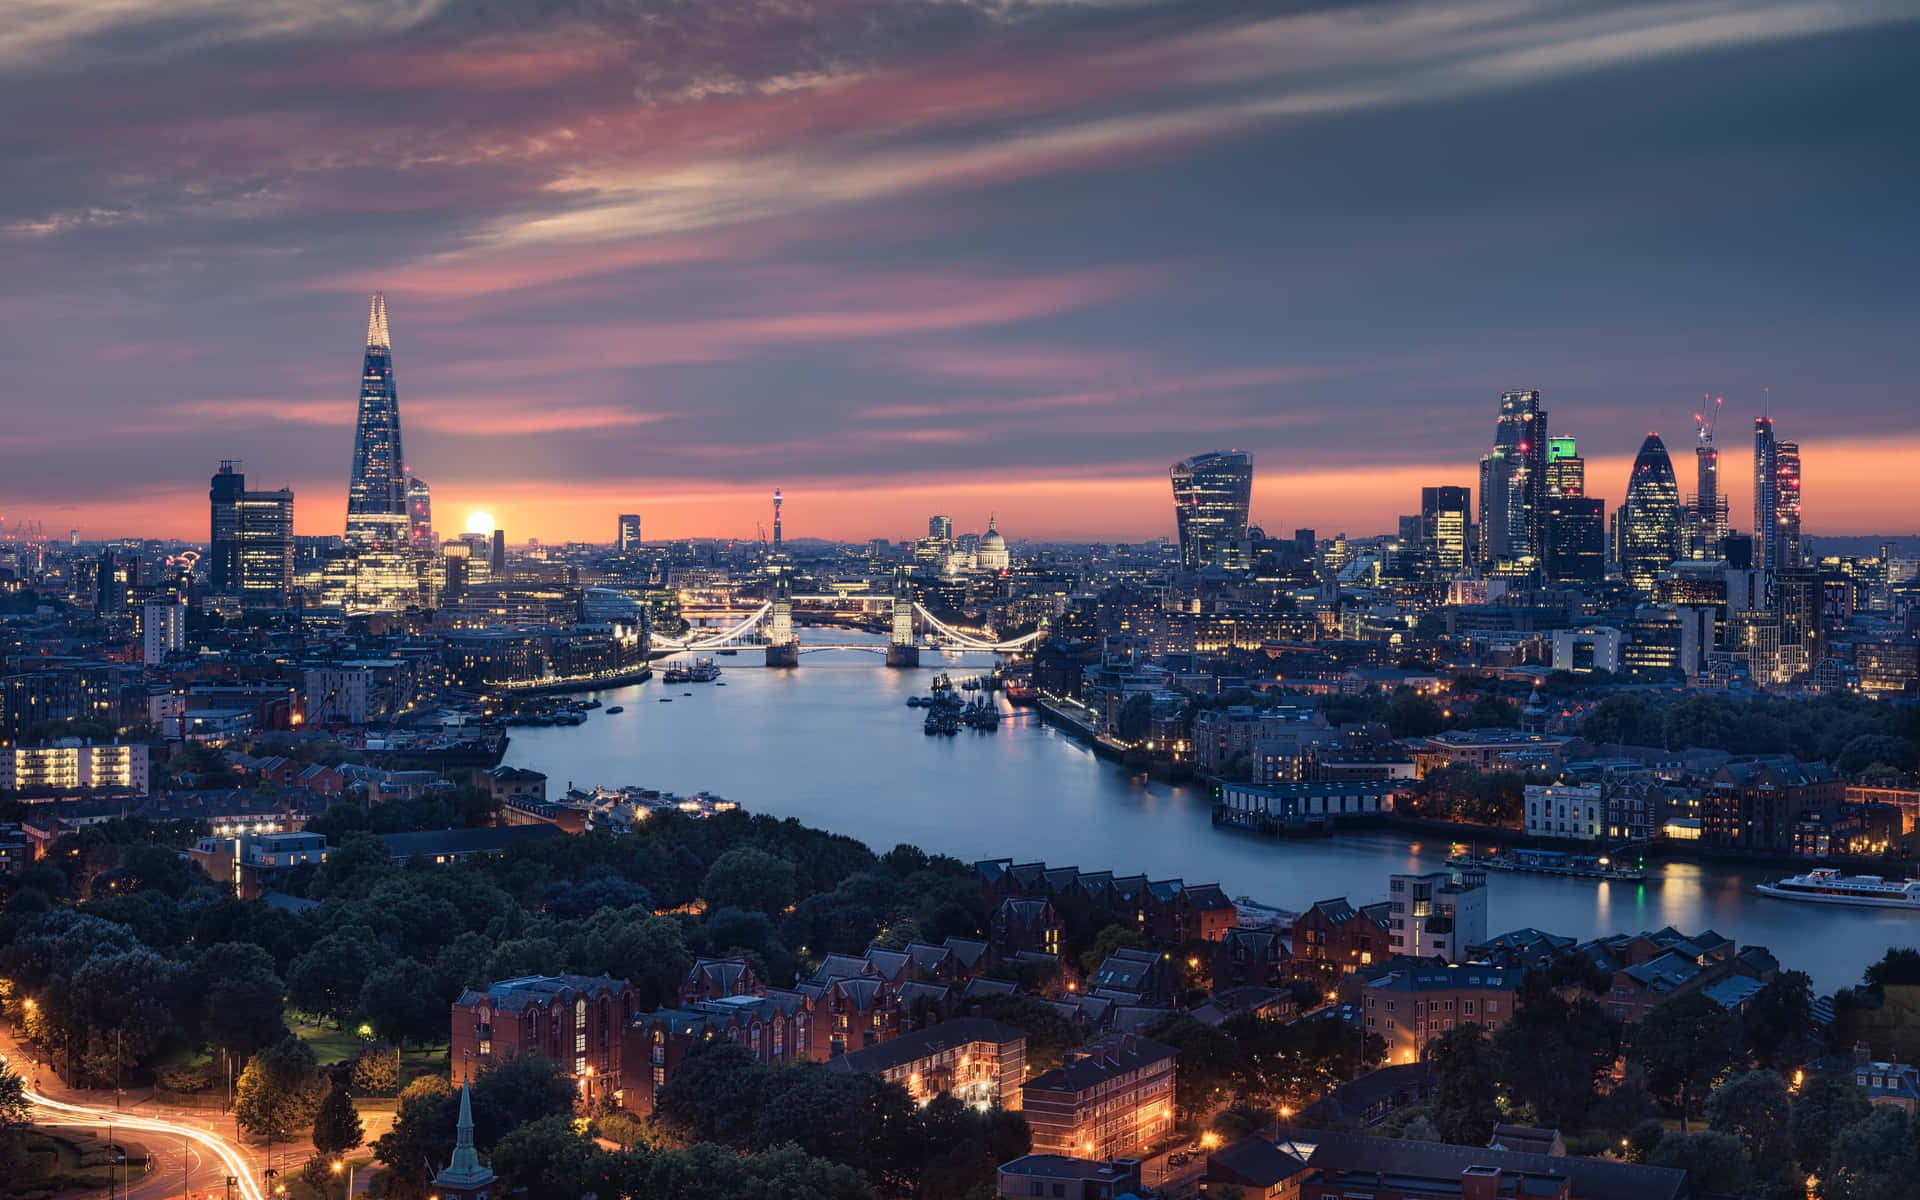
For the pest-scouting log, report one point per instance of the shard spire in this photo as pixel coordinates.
(377, 335)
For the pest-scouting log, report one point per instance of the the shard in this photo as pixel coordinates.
(377, 491)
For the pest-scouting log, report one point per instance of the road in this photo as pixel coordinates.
(199, 1151)
(194, 1147)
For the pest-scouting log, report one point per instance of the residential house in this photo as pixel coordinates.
(1107, 1100)
(1410, 1007)
(976, 1060)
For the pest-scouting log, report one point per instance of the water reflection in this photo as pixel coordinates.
(834, 745)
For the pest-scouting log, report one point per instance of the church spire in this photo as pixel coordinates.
(377, 336)
(466, 1160)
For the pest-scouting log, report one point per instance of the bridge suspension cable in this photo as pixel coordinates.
(719, 639)
(970, 641)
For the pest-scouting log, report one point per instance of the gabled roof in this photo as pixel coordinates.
(1336, 910)
(842, 966)
(1059, 879)
(1666, 973)
(1592, 1178)
(1254, 1161)
(977, 988)
(924, 1043)
(1207, 897)
(1100, 1061)
(515, 995)
(966, 951)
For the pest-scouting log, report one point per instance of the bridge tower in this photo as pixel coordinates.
(783, 646)
(901, 650)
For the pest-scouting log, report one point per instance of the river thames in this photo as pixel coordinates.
(833, 744)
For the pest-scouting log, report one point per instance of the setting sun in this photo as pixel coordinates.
(480, 522)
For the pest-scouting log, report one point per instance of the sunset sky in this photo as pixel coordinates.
(898, 257)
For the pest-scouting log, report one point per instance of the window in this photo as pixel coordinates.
(659, 1076)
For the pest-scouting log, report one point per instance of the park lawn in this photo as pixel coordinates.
(331, 1045)
(61, 1162)
(299, 1189)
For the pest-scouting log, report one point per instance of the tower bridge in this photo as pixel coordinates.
(772, 625)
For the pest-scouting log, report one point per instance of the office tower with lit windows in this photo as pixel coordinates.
(1576, 539)
(266, 547)
(1446, 516)
(114, 584)
(1650, 522)
(1766, 496)
(628, 539)
(377, 489)
(223, 551)
(1707, 507)
(381, 572)
(1513, 483)
(1566, 470)
(420, 515)
(163, 630)
(252, 550)
(940, 527)
(1786, 474)
(1211, 495)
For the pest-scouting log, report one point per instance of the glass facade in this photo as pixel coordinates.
(266, 546)
(1513, 483)
(1211, 495)
(1576, 539)
(420, 514)
(1650, 518)
(377, 490)
(1446, 514)
(1787, 505)
(1766, 483)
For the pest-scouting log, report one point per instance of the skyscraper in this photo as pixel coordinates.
(420, 514)
(1446, 514)
(266, 547)
(223, 556)
(1787, 504)
(1513, 483)
(1766, 496)
(1576, 539)
(629, 535)
(1649, 526)
(1706, 508)
(252, 543)
(940, 527)
(1211, 495)
(1566, 470)
(377, 490)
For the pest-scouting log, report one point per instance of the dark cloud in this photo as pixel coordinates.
(633, 245)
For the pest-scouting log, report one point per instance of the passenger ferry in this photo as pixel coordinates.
(1824, 885)
(702, 671)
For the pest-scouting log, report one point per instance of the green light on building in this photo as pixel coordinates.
(1561, 447)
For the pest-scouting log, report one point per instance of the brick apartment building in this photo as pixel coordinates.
(1168, 911)
(1647, 969)
(576, 1020)
(1105, 1101)
(979, 1061)
(1410, 1007)
(1754, 805)
(1334, 935)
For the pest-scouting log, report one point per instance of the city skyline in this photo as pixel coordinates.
(1014, 260)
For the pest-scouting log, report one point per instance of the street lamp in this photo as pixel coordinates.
(337, 1166)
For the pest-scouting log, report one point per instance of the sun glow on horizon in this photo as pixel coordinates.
(481, 523)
